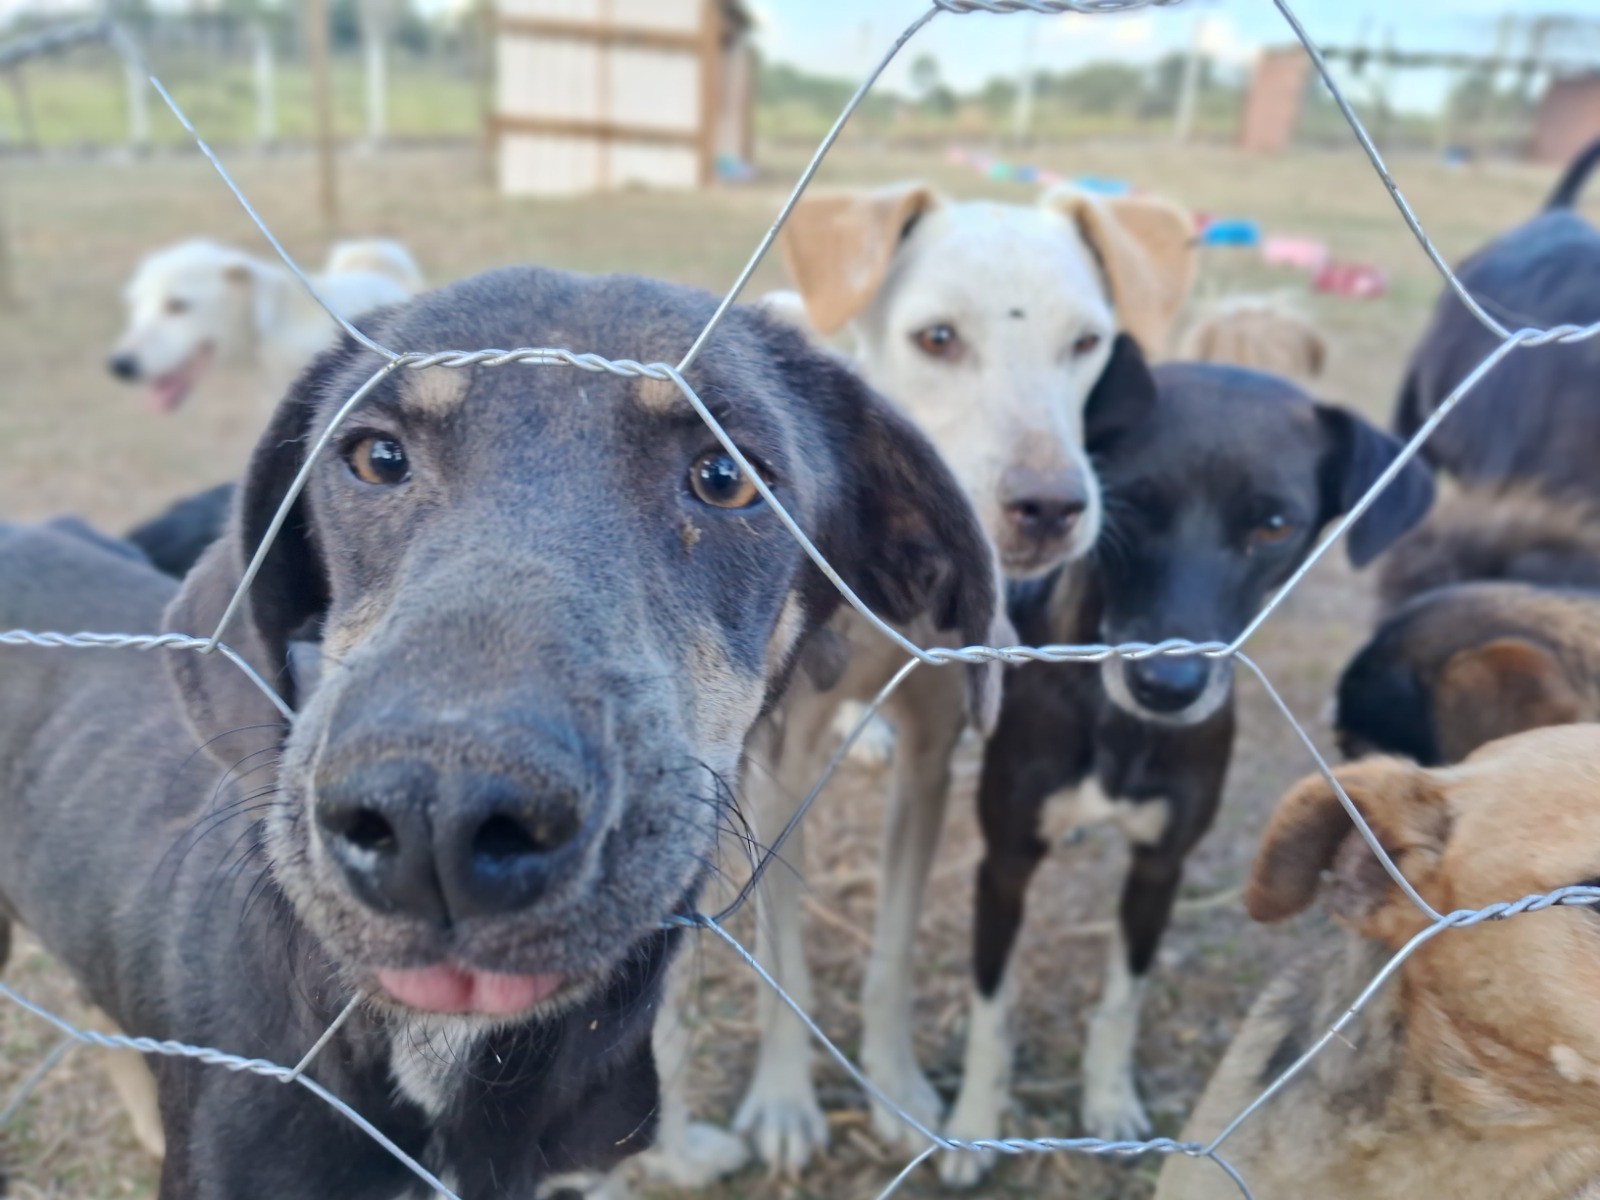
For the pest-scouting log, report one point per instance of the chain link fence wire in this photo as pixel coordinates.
(1511, 341)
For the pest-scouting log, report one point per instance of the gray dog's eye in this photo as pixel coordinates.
(176, 306)
(717, 480)
(1087, 343)
(378, 459)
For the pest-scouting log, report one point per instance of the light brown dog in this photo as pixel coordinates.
(1261, 332)
(1475, 1074)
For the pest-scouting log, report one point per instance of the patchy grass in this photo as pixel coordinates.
(71, 439)
(83, 102)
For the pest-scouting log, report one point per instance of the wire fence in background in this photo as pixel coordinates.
(1510, 342)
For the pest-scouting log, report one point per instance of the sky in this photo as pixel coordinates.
(843, 37)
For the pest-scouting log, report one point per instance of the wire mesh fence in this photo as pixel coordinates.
(1510, 341)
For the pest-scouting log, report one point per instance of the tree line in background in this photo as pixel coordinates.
(1111, 98)
(212, 57)
(1101, 95)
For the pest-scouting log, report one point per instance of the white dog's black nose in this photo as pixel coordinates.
(447, 845)
(1166, 683)
(124, 367)
(1042, 505)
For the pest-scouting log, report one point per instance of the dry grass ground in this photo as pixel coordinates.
(73, 440)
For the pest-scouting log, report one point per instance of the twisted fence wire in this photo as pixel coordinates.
(1511, 341)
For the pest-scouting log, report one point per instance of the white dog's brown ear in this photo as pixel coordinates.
(1310, 833)
(838, 247)
(1146, 249)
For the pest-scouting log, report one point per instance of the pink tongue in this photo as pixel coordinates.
(166, 394)
(445, 989)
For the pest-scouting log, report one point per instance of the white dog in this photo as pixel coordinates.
(198, 303)
(991, 325)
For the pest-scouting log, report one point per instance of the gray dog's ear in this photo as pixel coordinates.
(907, 540)
(1357, 454)
(289, 591)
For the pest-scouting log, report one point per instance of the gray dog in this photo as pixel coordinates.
(1536, 416)
(551, 608)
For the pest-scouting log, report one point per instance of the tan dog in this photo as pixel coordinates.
(990, 325)
(1261, 332)
(1474, 1075)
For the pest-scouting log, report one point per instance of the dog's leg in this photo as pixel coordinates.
(931, 721)
(1039, 748)
(687, 1154)
(985, 1095)
(135, 1086)
(780, 1112)
(1111, 1107)
(874, 746)
(1013, 851)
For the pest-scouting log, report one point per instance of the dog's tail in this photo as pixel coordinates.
(1515, 533)
(376, 256)
(1573, 179)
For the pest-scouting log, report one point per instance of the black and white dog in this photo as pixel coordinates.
(1217, 481)
(551, 607)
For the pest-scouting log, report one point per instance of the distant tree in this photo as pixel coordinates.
(1166, 81)
(998, 97)
(928, 80)
(926, 76)
(797, 100)
(1098, 89)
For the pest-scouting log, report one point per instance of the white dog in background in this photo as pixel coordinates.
(199, 303)
(991, 324)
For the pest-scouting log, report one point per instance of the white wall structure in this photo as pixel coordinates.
(596, 95)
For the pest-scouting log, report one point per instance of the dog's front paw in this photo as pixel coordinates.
(784, 1121)
(965, 1168)
(699, 1158)
(900, 1078)
(1111, 1108)
(978, 1117)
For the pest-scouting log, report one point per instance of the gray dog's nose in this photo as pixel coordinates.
(123, 366)
(1042, 505)
(448, 846)
(1167, 684)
